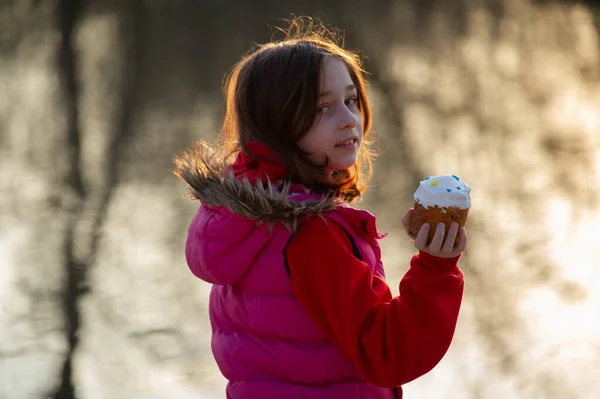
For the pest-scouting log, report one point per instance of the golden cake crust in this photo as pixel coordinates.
(434, 215)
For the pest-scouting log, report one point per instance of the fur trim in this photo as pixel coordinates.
(204, 175)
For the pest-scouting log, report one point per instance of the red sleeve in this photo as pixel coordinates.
(392, 340)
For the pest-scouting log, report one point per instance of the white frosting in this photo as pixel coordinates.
(444, 191)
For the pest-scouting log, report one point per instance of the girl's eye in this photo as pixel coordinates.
(351, 101)
(322, 108)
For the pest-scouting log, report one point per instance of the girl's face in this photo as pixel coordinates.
(337, 132)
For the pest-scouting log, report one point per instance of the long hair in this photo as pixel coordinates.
(272, 97)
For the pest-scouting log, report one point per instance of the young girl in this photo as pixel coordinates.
(299, 306)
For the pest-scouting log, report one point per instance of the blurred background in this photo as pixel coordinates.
(96, 97)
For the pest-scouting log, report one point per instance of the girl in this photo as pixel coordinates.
(299, 306)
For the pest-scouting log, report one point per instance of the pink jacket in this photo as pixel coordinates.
(263, 340)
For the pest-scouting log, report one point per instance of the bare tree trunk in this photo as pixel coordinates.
(40, 197)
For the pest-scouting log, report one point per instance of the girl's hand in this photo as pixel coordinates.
(439, 247)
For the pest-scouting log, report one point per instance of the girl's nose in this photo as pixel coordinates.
(347, 118)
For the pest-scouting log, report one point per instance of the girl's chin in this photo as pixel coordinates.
(341, 166)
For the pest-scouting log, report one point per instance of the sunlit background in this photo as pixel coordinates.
(96, 97)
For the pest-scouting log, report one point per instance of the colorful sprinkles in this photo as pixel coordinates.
(436, 182)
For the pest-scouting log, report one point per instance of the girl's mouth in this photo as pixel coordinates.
(347, 143)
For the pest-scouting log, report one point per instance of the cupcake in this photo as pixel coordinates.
(444, 199)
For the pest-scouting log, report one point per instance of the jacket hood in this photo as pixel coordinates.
(213, 182)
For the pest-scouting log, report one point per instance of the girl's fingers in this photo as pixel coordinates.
(450, 238)
(442, 244)
(406, 219)
(438, 238)
(462, 243)
(421, 239)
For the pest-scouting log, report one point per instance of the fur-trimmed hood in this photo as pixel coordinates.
(212, 182)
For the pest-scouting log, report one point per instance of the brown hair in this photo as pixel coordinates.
(272, 98)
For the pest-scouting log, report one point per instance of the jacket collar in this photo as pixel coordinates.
(249, 186)
(262, 163)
